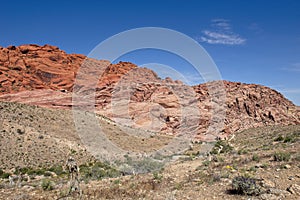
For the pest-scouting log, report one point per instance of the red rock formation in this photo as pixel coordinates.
(252, 105)
(46, 76)
(30, 67)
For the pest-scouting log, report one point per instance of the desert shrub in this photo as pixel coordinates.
(4, 175)
(281, 156)
(255, 157)
(117, 182)
(58, 170)
(22, 170)
(40, 171)
(157, 176)
(226, 147)
(252, 169)
(47, 184)
(206, 163)
(245, 186)
(290, 138)
(142, 166)
(147, 165)
(97, 171)
(242, 151)
(217, 158)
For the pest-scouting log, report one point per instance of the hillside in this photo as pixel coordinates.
(48, 111)
(45, 76)
(37, 141)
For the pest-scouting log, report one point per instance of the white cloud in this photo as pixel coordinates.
(221, 34)
(221, 24)
(293, 91)
(222, 38)
(295, 67)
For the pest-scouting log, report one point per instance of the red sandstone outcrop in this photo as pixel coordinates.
(47, 76)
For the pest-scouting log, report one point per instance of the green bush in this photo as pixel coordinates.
(289, 138)
(38, 172)
(282, 156)
(58, 170)
(3, 174)
(97, 171)
(47, 184)
(245, 186)
(157, 176)
(242, 151)
(255, 157)
(226, 147)
(206, 163)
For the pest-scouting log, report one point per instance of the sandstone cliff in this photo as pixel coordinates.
(46, 75)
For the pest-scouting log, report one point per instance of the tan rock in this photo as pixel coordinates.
(294, 189)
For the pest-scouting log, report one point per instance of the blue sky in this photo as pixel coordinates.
(250, 41)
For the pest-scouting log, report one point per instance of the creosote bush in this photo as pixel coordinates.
(225, 147)
(47, 184)
(255, 157)
(282, 156)
(245, 186)
(97, 171)
(3, 174)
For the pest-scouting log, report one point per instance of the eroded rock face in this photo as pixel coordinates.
(30, 67)
(251, 105)
(47, 76)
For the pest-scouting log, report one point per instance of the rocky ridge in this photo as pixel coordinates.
(48, 77)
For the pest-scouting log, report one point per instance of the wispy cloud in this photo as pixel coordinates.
(293, 91)
(295, 67)
(221, 33)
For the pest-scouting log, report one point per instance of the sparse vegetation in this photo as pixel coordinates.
(196, 175)
(281, 156)
(157, 176)
(144, 165)
(255, 158)
(47, 184)
(245, 186)
(206, 163)
(58, 170)
(3, 174)
(98, 171)
(223, 145)
(242, 151)
(289, 138)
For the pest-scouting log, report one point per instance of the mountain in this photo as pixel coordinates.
(138, 113)
(47, 76)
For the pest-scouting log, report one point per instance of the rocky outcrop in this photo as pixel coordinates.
(47, 76)
(31, 67)
(252, 105)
